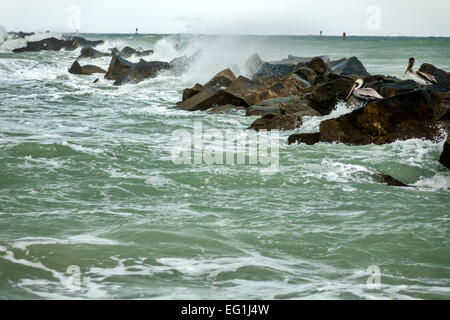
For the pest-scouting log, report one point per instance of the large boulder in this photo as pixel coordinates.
(84, 42)
(117, 65)
(141, 71)
(209, 98)
(274, 70)
(442, 77)
(89, 52)
(221, 80)
(76, 68)
(307, 74)
(318, 66)
(49, 44)
(350, 66)
(331, 64)
(296, 60)
(190, 92)
(127, 52)
(325, 96)
(307, 138)
(445, 155)
(405, 116)
(391, 89)
(273, 121)
(295, 105)
(287, 86)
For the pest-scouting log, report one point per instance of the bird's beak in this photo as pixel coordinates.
(405, 72)
(351, 91)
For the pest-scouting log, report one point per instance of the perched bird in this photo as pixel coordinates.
(363, 94)
(422, 78)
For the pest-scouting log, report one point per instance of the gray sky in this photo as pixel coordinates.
(296, 17)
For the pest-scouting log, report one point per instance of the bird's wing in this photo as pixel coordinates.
(369, 93)
(427, 77)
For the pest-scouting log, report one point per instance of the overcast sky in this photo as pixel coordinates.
(296, 17)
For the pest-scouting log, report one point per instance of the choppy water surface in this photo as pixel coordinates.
(86, 180)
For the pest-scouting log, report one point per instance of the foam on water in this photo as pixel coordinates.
(86, 179)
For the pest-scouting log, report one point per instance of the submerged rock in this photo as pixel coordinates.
(445, 155)
(390, 181)
(49, 44)
(76, 68)
(307, 138)
(405, 116)
(20, 34)
(272, 121)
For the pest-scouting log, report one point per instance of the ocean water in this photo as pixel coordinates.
(91, 205)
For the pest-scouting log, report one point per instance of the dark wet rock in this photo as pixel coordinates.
(445, 155)
(272, 121)
(49, 44)
(295, 105)
(89, 52)
(275, 71)
(116, 66)
(307, 74)
(209, 98)
(442, 77)
(221, 80)
(96, 80)
(350, 66)
(141, 71)
(84, 42)
(226, 109)
(442, 111)
(307, 138)
(127, 52)
(20, 34)
(190, 92)
(252, 65)
(325, 96)
(405, 116)
(333, 63)
(76, 68)
(285, 87)
(297, 60)
(390, 181)
(388, 90)
(318, 66)
(262, 110)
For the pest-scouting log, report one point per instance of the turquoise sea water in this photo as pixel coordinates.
(86, 180)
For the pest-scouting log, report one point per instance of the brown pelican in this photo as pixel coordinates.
(422, 78)
(363, 94)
